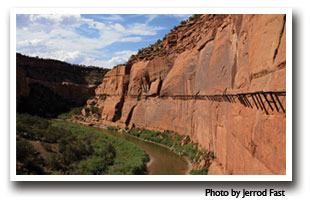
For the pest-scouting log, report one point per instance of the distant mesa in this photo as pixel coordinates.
(49, 87)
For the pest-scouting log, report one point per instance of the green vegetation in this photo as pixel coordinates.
(113, 128)
(78, 110)
(72, 149)
(169, 139)
(27, 160)
(199, 172)
(46, 146)
(155, 136)
(190, 149)
(68, 115)
(95, 110)
(184, 21)
(191, 18)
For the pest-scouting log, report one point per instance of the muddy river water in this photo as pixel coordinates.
(163, 161)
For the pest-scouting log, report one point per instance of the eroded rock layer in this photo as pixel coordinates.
(214, 54)
(49, 87)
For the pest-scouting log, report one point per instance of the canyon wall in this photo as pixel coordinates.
(49, 87)
(210, 55)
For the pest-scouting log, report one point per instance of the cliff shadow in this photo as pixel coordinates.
(44, 102)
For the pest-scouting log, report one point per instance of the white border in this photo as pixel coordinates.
(287, 177)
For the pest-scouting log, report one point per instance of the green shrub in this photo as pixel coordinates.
(184, 21)
(68, 115)
(121, 157)
(24, 150)
(92, 166)
(193, 17)
(31, 127)
(202, 171)
(167, 139)
(211, 155)
(112, 128)
(78, 150)
(27, 158)
(107, 152)
(177, 143)
(134, 132)
(52, 162)
(151, 135)
(95, 110)
(190, 150)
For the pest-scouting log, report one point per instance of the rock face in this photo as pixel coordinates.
(214, 54)
(62, 85)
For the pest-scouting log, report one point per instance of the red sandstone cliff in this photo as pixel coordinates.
(215, 54)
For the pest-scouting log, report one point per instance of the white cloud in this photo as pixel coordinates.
(126, 53)
(150, 18)
(118, 58)
(121, 57)
(143, 29)
(131, 39)
(113, 18)
(118, 27)
(55, 36)
(28, 42)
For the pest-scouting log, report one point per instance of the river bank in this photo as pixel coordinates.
(163, 160)
(158, 153)
(198, 160)
(167, 147)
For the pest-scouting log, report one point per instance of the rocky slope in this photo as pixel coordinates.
(49, 87)
(214, 54)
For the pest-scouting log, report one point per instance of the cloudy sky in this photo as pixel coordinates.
(99, 40)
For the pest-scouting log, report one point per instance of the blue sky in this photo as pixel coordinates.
(99, 40)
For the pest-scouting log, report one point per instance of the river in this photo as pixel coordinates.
(163, 161)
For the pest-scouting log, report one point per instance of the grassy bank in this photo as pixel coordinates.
(51, 147)
(180, 144)
(69, 114)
